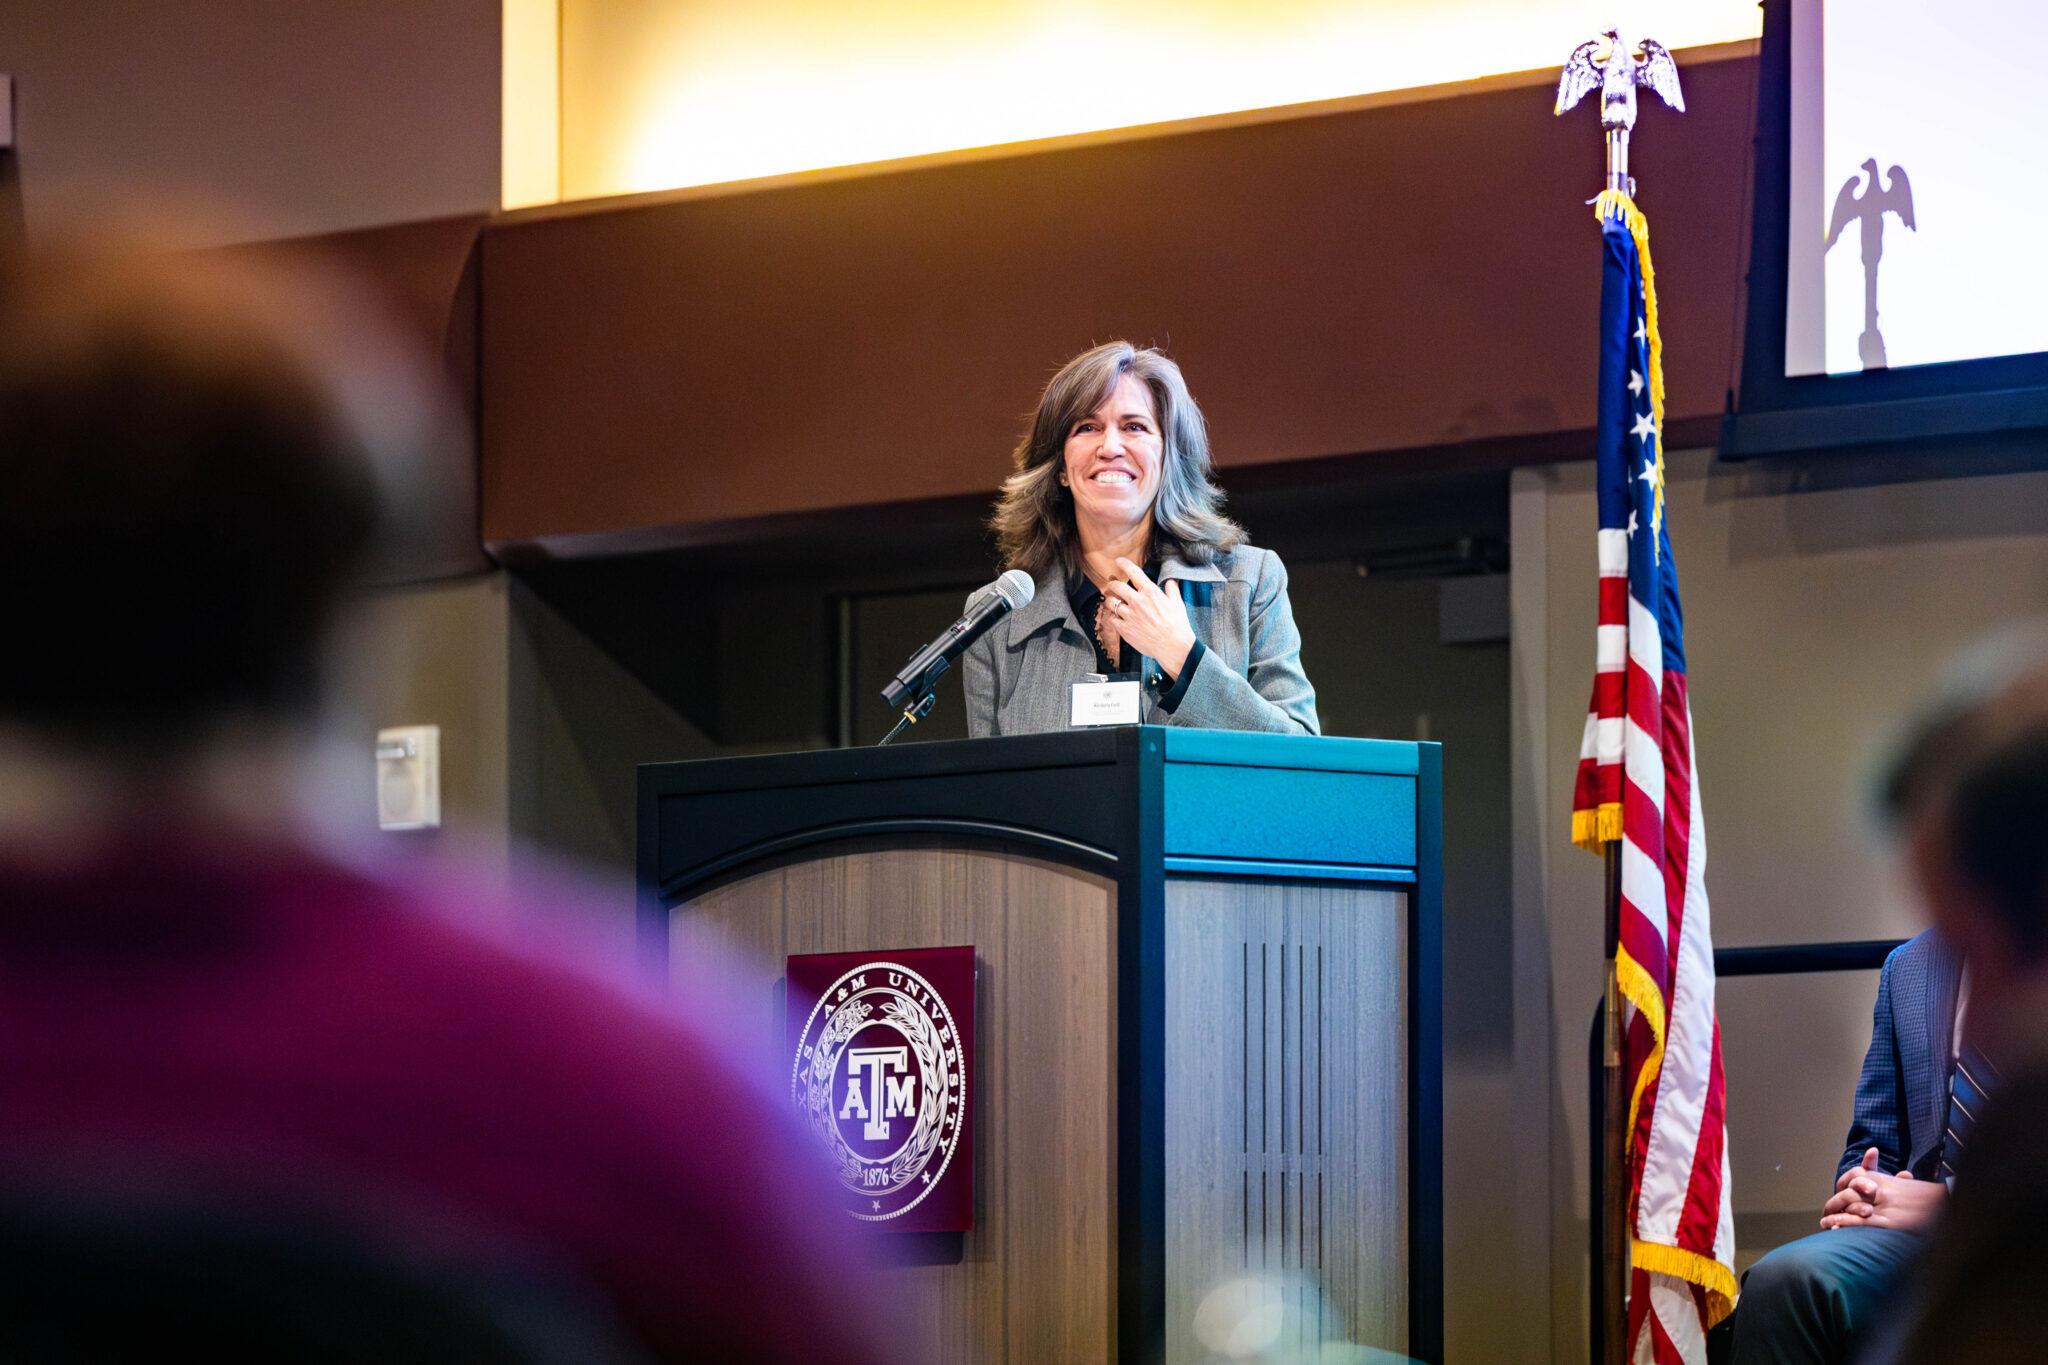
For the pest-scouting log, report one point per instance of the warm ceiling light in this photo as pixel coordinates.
(715, 93)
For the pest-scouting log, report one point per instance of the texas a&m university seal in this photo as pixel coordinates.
(881, 1067)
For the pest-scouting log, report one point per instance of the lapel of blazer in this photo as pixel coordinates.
(1048, 607)
(1944, 979)
(1047, 610)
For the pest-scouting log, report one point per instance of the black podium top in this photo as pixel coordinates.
(1226, 802)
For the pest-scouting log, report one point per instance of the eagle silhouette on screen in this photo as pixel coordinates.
(1894, 195)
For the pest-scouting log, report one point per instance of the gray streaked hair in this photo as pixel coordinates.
(1034, 516)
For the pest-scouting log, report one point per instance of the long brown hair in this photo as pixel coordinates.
(1034, 517)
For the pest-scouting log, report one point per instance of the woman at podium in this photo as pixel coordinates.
(1150, 605)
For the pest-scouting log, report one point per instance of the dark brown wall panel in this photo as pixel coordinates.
(1390, 280)
(425, 276)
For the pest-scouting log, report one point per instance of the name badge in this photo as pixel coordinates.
(1107, 701)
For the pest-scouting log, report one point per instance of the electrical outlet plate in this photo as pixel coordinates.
(409, 777)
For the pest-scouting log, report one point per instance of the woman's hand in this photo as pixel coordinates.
(1152, 619)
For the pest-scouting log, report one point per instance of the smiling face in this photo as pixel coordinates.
(1112, 460)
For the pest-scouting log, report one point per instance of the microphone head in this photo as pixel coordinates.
(1015, 587)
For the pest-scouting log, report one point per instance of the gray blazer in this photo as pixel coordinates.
(1019, 677)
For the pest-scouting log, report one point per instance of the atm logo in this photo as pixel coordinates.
(877, 1091)
(880, 1067)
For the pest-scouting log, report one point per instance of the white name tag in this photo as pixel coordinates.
(1107, 703)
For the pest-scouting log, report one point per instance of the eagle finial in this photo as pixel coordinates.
(1616, 73)
(1615, 66)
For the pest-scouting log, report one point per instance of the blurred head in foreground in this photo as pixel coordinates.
(243, 1078)
(1970, 791)
(199, 456)
(1969, 794)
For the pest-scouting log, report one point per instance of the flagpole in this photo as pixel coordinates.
(1615, 66)
(1613, 1196)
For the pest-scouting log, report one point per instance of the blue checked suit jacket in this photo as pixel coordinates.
(1902, 1095)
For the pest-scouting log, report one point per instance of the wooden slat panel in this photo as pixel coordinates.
(1036, 1281)
(1060, 1087)
(1286, 1102)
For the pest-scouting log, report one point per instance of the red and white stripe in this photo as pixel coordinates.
(1681, 1187)
(1599, 778)
(1638, 758)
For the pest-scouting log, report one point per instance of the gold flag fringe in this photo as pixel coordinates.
(1706, 1272)
(1593, 828)
(1717, 1279)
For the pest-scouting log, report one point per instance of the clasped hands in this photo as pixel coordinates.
(1152, 619)
(1867, 1197)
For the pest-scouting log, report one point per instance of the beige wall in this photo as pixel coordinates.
(286, 119)
(541, 729)
(434, 654)
(1814, 621)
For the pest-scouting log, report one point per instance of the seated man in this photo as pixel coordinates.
(1812, 1300)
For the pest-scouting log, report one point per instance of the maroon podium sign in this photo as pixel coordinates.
(881, 1067)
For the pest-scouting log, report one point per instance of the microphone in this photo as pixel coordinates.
(988, 606)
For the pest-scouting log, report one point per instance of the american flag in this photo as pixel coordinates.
(1637, 784)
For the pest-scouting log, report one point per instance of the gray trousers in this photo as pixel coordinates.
(1814, 1300)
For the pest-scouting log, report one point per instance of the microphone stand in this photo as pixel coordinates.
(912, 715)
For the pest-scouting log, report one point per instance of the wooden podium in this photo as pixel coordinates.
(1209, 1003)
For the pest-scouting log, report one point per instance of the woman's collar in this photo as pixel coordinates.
(1178, 569)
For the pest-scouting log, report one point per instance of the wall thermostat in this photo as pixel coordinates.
(409, 777)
